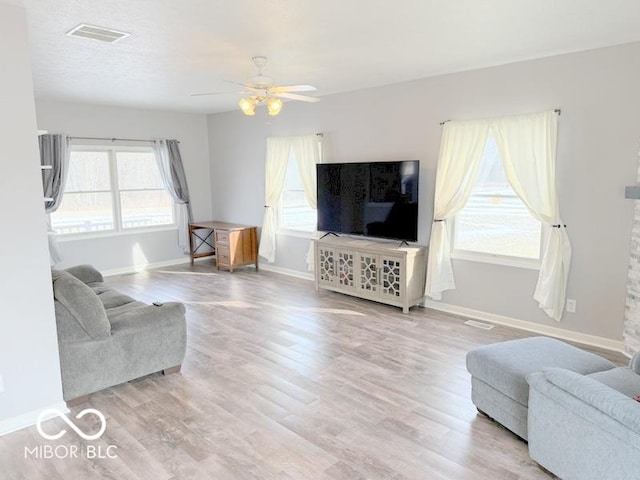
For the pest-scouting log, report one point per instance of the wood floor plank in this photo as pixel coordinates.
(284, 383)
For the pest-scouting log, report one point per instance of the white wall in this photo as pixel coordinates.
(597, 154)
(29, 362)
(125, 251)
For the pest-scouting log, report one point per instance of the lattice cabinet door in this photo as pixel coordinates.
(391, 281)
(326, 266)
(368, 273)
(345, 269)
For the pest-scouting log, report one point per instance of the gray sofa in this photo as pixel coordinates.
(586, 426)
(106, 338)
(499, 372)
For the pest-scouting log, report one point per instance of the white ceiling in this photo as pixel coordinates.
(180, 47)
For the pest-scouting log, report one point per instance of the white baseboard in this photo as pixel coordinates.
(586, 339)
(286, 271)
(149, 266)
(29, 419)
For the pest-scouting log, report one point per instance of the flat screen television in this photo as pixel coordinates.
(373, 199)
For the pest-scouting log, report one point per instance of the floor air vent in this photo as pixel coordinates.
(97, 33)
(482, 325)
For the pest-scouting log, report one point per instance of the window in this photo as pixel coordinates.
(294, 212)
(495, 225)
(112, 189)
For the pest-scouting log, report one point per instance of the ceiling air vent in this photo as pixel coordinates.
(97, 33)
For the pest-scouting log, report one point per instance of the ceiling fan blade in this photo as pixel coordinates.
(292, 88)
(218, 93)
(248, 86)
(295, 96)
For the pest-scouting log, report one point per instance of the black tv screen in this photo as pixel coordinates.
(375, 199)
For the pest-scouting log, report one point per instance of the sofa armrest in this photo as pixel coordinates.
(86, 273)
(610, 402)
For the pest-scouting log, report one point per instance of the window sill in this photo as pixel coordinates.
(517, 262)
(297, 233)
(74, 237)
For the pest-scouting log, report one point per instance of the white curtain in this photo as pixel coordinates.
(307, 153)
(169, 160)
(527, 145)
(460, 156)
(278, 150)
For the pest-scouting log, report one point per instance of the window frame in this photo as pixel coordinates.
(494, 258)
(292, 232)
(116, 204)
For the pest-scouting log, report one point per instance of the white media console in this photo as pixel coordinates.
(381, 271)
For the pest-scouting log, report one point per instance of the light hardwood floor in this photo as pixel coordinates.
(281, 382)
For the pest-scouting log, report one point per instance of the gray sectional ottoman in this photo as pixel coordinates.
(499, 372)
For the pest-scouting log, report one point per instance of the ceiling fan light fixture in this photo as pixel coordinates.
(274, 105)
(248, 106)
(263, 90)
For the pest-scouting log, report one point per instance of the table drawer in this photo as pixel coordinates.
(223, 260)
(222, 236)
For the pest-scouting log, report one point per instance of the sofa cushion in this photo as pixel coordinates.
(83, 304)
(115, 312)
(56, 274)
(86, 273)
(591, 393)
(622, 379)
(112, 299)
(69, 329)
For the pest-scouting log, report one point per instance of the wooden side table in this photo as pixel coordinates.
(234, 245)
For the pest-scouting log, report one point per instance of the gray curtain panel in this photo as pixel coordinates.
(175, 181)
(178, 185)
(54, 151)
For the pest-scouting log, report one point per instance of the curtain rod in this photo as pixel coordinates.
(113, 139)
(557, 110)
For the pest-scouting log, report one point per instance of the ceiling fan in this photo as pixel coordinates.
(262, 89)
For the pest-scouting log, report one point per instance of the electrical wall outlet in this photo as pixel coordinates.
(571, 305)
(1, 384)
